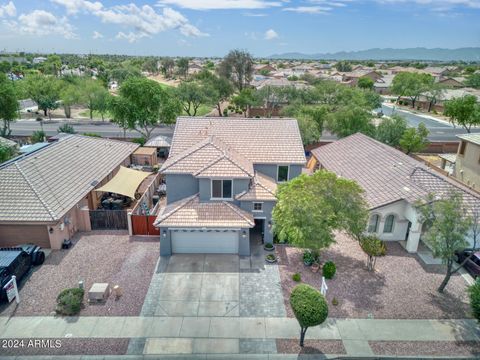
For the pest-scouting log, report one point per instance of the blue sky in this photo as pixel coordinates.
(212, 27)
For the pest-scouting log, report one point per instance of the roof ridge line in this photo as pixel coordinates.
(185, 201)
(236, 210)
(50, 212)
(201, 144)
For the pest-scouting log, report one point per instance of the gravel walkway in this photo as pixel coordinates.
(58, 347)
(97, 256)
(402, 287)
(425, 348)
(292, 346)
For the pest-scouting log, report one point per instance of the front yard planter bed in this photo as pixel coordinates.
(402, 287)
(292, 346)
(425, 348)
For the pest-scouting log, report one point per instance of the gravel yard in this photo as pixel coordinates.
(58, 347)
(97, 256)
(292, 346)
(425, 348)
(402, 287)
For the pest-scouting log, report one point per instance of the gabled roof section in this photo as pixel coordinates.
(387, 175)
(209, 156)
(261, 141)
(263, 188)
(192, 213)
(44, 185)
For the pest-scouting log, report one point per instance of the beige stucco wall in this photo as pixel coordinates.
(467, 166)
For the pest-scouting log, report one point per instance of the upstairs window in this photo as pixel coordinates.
(221, 189)
(282, 173)
(257, 206)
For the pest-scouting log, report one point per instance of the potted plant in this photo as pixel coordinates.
(271, 258)
(269, 246)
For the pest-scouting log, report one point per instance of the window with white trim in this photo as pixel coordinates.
(221, 189)
(257, 206)
(389, 221)
(282, 173)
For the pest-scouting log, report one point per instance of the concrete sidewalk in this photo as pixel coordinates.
(190, 335)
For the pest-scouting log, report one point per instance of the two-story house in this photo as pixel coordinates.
(467, 162)
(221, 176)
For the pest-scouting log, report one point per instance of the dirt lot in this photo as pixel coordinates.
(402, 287)
(97, 256)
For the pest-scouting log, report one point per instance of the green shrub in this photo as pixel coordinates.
(329, 269)
(474, 293)
(268, 246)
(311, 256)
(296, 277)
(69, 301)
(38, 136)
(92, 134)
(140, 140)
(66, 128)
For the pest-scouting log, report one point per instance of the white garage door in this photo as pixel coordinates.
(205, 242)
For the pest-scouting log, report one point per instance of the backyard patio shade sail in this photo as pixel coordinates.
(125, 182)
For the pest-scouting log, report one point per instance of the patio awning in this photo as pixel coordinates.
(125, 182)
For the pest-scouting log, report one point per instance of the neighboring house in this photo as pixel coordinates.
(353, 76)
(448, 163)
(393, 182)
(383, 85)
(467, 162)
(450, 82)
(39, 60)
(221, 179)
(46, 195)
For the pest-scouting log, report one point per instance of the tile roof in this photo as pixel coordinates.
(190, 212)
(386, 174)
(210, 156)
(262, 188)
(261, 141)
(44, 185)
(473, 138)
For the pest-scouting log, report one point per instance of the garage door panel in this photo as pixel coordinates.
(192, 242)
(12, 235)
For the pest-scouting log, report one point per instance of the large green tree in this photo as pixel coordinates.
(448, 223)
(365, 83)
(142, 105)
(349, 120)
(464, 111)
(473, 81)
(237, 66)
(391, 130)
(182, 67)
(311, 208)
(93, 95)
(8, 105)
(45, 91)
(192, 95)
(218, 88)
(411, 85)
(245, 100)
(414, 139)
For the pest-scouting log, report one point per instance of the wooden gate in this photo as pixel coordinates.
(143, 225)
(108, 219)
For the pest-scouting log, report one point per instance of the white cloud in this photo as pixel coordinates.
(445, 4)
(270, 34)
(8, 10)
(74, 6)
(41, 23)
(309, 9)
(220, 4)
(97, 35)
(255, 14)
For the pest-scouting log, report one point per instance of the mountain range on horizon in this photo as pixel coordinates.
(467, 54)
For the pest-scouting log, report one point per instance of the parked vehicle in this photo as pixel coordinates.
(18, 261)
(473, 264)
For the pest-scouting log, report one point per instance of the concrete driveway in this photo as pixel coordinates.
(215, 285)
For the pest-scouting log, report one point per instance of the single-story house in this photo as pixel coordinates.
(46, 195)
(393, 182)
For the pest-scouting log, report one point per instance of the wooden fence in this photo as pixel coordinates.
(143, 225)
(108, 219)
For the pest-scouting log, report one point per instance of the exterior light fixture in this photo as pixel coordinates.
(270, 224)
(164, 233)
(244, 234)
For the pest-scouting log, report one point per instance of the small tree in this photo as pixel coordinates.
(245, 100)
(8, 105)
(373, 247)
(474, 294)
(365, 83)
(391, 130)
(182, 67)
(237, 66)
(45, 91)
(464, 111)
(448, 224)
(309, 306)
(192, 96)
(66, 128)
(414, 140)
(38, 136)
(6, 152)
(349, 120)
(311, 208)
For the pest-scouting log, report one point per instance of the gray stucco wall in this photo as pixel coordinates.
(180, 186)
(266, 214)
(271, 170)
